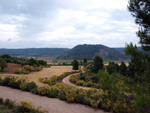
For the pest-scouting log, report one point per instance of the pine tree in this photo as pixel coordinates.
(140, 9)
(98, 64)
(75, 65)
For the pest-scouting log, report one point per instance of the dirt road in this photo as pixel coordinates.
(52, 105)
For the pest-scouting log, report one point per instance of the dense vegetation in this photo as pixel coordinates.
(8, 106)
(34, 52)
(89, 51)
(28, 64)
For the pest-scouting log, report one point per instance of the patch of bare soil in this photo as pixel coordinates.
(11, 67)
(44, 73)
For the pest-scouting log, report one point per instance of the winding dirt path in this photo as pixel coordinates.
(67, 82)
(52, 105)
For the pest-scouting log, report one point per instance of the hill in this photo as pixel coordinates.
(121, 49)
(34, 52)
(89, 51)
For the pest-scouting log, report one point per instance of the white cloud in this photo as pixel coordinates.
(57, 23)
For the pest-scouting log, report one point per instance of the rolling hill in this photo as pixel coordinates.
(34, 52)
(89, 51)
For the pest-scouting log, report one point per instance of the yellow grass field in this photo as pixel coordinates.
(45, 73)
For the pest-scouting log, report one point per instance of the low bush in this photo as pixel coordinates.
(18, 71)
(30, 86)
(44, 90)
(54, 91)
(7, 80)
(9, 103)
(80, 83)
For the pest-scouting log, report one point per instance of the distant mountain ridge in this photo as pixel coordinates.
(35, 52)
(89, 51)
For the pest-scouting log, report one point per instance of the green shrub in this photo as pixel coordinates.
(18, 71)
(6, 81)
(95, 78)
(34, 90)
(23, 86)
(30, 86)
(82, 77)
(71, 95)
(44, 90)
(28, 68)
(74, 78)
(80, 83)
(81, 96)
(14, 83)
(9, 103)
(54, 91)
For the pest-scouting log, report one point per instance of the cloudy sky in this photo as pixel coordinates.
(65, 23)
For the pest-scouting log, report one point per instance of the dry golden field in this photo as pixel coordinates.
(45, 73)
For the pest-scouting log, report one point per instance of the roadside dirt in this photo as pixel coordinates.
(52, 105)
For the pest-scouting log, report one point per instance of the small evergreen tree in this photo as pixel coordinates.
(97, 64)
(75, 65)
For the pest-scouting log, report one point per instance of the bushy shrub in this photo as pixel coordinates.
(74, 78)
(18, 71)
(44, 90)
(80, 83)
(82, 77)
(96, 98)
(30, 86)
(34, 90)
(23, 86)
(81, 96)
(25, 106)
(9, 103)
(7, 80)
(28, 68)
(54, 91)
(14, 83)
(37, 68)
(71, 95)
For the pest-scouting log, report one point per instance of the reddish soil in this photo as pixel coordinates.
(11, 67)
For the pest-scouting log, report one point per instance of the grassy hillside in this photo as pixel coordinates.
(89, 51)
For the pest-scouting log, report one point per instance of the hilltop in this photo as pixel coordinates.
(89, 51)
